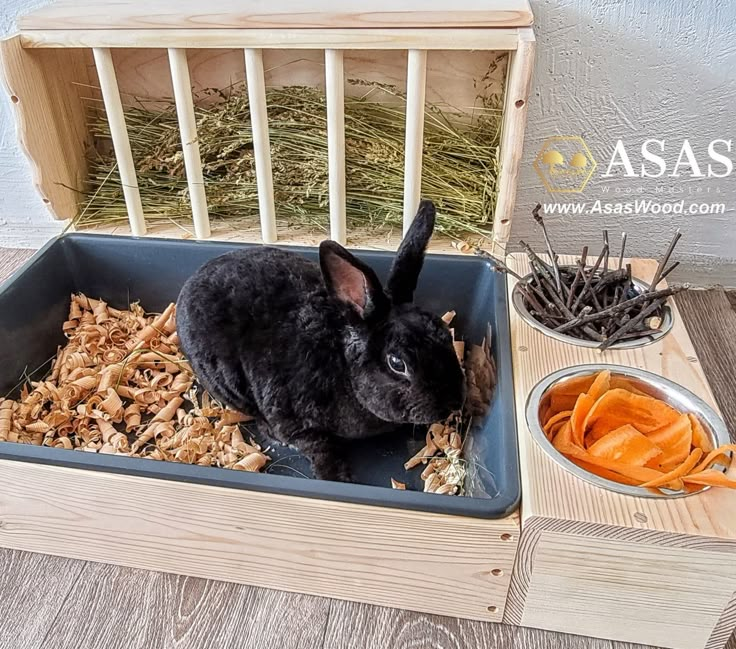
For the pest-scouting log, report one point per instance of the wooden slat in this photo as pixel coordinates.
(335, 92)
(518, 85)
(120, 141)
(371, 554)
(416, 88)
(44, 89)
(261, 142)
(228, 14)
(190, 144)
(310, 39)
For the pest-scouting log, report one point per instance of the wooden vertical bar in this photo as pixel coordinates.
(261, 143)
(416, 85)
(335, 90)
(120, 141)
(190, 145)
(518, 83)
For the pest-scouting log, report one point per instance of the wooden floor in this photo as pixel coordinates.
(60, 603)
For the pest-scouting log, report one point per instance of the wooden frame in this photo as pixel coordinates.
(75, 27)
(447, 565)
(643, 570)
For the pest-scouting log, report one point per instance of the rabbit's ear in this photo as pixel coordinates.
(409, 259)
(351, 281)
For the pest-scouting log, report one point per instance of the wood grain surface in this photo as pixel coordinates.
(46, 600)
(95, 14)
(45, 88)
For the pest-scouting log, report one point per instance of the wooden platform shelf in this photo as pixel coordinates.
(594, 562)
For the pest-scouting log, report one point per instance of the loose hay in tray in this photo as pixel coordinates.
(460, 161)
(122, 386)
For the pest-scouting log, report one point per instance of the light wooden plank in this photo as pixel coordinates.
(32, 592)
(667, 596)
(190, 144)
(120, 141)
(416, 89)
(521, 65)
(98, 14)
(44, 89)
(333, 549)
(213, 38)
(335, 96)
(261, 142)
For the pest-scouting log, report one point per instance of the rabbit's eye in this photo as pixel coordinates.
(396, 364)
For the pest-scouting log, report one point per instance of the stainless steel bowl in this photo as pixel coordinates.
(656, 386)
(517, 300)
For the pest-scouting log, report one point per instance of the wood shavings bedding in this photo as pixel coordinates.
(122, 386)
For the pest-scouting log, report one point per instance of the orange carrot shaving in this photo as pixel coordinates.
(627, 445)
(700, 437)
(610, 427)
(675, 440)
(712, 478)
(682, 470)
(555, 419)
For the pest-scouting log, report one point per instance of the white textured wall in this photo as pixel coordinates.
(24, 220)
(631, 70)
(606, 69)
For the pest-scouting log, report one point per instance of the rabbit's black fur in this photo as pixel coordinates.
(305, 347)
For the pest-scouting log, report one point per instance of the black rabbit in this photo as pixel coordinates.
(321, 352)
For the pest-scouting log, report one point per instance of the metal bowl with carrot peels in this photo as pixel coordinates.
(630, 431)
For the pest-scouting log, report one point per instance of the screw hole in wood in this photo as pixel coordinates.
(506, 537)
(14, 99)
(519, 103)
(493, 609)
(497, 572)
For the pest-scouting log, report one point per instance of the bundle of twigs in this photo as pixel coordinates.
(460, 161)
(594, 302)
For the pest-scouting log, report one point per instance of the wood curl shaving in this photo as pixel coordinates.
(122, 386)
(445, 468)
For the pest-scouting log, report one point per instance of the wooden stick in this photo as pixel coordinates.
(669, 270)
(589, 279)
(607, 248)
(261, 143)
(335, 95)
(625, 306)
(120, 141)
(416, 88)
(553, 257)
(631, 324)
(578, 275)
(623, 248)
(188, 131)
(663, 262)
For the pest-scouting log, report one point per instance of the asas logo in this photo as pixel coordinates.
(565, 164)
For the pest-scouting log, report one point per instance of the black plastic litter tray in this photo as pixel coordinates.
(35, 301)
